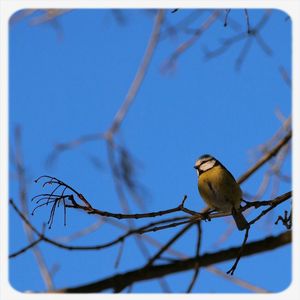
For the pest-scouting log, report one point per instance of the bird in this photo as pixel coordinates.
(219, 189)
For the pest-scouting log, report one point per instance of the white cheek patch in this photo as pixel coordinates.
(207, 165)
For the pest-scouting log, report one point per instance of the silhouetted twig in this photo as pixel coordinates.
(265, 158)
(197, 267)
(250, 35)
(286, 220)
(232, 269)
(155, 271)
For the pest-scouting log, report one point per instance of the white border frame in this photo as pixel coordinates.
(9, 7)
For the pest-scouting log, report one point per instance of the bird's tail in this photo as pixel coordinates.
(240, 220)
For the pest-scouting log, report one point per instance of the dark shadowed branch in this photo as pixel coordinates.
(156, 271)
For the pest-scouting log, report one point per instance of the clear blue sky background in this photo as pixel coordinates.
(64, 87)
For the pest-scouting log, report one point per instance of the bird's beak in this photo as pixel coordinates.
(195, 167)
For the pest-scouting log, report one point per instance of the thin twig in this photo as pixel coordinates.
(180, 255)
(272, 203)
(247, 36)
(157, 271)
(285, 75)
(265, 158)
(120, 115)
(21, 173)
(190, 42)
(168, 244)
(120, 252)
(180, 208)
(249, 286)
(197, 267)
(233, 268)
(95, 247)
(247, 20)
(23, 250)
(226, 17)
(286, 220)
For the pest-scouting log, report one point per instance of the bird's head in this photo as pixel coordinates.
(204, 163)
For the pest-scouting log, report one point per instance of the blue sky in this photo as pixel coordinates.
(70, 82)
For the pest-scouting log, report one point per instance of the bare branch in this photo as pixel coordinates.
(120, 115)
(190, 42)
(168, 244)
(21, 175)
(233, 268)
(198, 245)
(178, 254)
(286, 220)
(265, 158)
(95, 247)
(56, 199)
(237, 281)
(156, 271)
(226, 17)
(247, 36)
(285, 75)
(23, 250)
(272, 204)
(247, 20)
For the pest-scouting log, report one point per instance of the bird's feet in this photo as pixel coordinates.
(206, 214)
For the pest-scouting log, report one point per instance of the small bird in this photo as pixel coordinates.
(219, 189)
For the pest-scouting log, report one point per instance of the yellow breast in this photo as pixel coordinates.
(219, 189)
